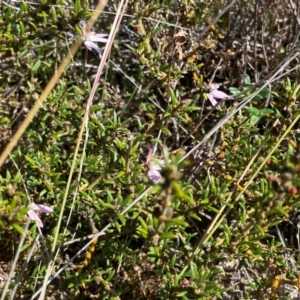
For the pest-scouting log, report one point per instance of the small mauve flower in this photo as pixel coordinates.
(215, 95)
(89, 38)
(154, 167)
(38, 208)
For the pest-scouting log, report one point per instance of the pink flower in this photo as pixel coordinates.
(215, 94)
(89, 38)
(154, 167)
(39, 208)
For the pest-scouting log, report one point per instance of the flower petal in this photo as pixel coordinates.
(33, 216)
(212, 99)
(154, 175)
(218, 94)
(98, 37)
(156, 164)
(148, 160)
(42, 208)
(92, 46)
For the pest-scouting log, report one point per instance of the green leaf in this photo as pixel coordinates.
(107, 205)
(54, 15)
(143, 223)
(30, 160)
(234, 91)
(121, 218)
(18, 228)
(8, 36)
(195, 216)
(77, 6)
(24, 247)
(166, 130)
(36, 66)
(193, 270)
(117, 225)
(120, 143)
(22, 28)
(173, 261)
(262, 94)
(254, 120)
(177, 221)
(191, 108)
(173, 98)
(180, 192)
(34, 26)
(247, 80)
(110, 276)
(79, 90)
(168, 235)
(204, 201)
(24, 7)
(143, 232)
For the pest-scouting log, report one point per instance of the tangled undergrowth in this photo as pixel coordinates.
(185, 182)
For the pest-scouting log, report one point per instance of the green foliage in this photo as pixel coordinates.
(222, 205)
(11, 200)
